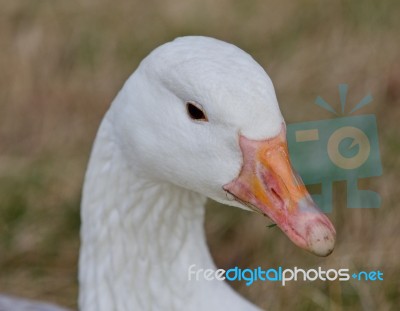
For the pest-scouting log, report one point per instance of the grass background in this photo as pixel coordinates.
(62, 62)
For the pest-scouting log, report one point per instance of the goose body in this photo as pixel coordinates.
(153, 165)
(198, 118)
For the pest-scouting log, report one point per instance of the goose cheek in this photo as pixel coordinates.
(268, 184)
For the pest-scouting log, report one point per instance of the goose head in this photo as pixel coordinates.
(202, 114)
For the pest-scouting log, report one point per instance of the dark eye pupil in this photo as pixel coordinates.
(195, 113)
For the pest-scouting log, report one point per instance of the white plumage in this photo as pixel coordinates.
(152, 168)
(141, 212)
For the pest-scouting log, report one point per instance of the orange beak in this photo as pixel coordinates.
(268, 184)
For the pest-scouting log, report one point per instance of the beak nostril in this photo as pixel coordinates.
(272, 188)
(275, 195)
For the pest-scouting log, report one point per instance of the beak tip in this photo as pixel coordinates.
(322, 251)
(321, 240)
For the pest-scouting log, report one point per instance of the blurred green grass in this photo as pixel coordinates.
(62, 62)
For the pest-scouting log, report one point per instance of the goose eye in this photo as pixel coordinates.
(196, 112)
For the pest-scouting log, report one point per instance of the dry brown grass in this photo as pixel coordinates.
(61, 64)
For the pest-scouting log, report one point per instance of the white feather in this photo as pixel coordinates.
(152, 168)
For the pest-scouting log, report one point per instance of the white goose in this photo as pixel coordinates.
(198, 118)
